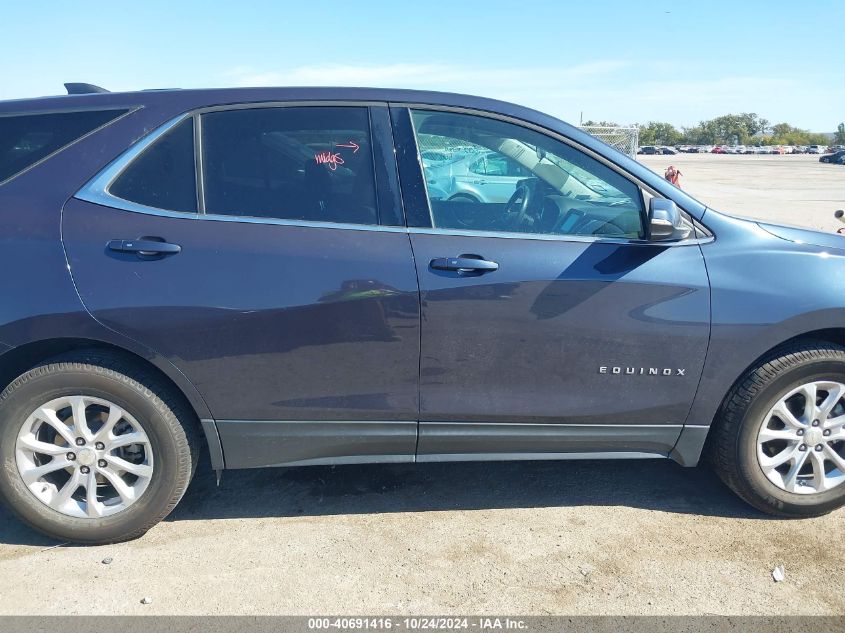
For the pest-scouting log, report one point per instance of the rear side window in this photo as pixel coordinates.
(297, 163)
(163, 176)
(27, 138)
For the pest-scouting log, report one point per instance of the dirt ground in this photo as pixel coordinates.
(592, 537)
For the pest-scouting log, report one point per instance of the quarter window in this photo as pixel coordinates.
(502, 177)
(26, 139)
(298, 163)
(163, 175)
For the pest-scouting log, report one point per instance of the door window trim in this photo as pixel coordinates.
(96, 190)
(403, 110)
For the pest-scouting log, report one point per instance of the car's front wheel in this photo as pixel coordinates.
(779, 441)
(94, 449)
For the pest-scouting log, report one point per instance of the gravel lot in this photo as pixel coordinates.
(614, 537)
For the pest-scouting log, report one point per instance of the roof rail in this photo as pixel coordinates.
(83, 89)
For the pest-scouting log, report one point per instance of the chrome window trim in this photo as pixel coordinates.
(590, 239)
(96, 190)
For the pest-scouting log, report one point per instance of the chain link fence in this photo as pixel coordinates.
(625, 139)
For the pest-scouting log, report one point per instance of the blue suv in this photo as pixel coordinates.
(275, 277)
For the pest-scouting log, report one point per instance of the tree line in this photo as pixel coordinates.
(742, 129)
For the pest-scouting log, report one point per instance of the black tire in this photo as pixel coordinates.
(733, 448)
(163, 413)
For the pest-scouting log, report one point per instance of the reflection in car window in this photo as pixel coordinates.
(298, 163)
(531, 182)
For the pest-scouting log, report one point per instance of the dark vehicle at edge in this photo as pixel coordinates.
(267, 276)
(836, 157)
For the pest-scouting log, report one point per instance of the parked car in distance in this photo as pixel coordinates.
(649, 150)
(718, 150)
(483, 176)
(277, 277)
(836, 157)
(435, 157)
(668, 151)
(816, 149)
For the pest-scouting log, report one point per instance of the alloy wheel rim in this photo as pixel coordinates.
(84, 457)
(801, 442)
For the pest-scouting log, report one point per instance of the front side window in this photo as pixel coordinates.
(502, 177)
(297, 163)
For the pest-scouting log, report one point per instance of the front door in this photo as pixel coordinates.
(551, 325)
(283, 291)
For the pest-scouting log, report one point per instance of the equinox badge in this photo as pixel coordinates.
(643, 371)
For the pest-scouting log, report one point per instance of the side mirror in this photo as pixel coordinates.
(665, 222)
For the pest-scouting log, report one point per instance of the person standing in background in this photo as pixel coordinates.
(673, 175)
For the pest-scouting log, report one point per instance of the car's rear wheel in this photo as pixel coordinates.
(779, 441)
(94, 449)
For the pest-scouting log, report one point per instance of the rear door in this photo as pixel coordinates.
(551, 326)
(276, 277)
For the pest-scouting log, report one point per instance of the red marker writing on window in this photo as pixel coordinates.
(332, 159)
(352, 144)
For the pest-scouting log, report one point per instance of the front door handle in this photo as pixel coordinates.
(144, 247)
(464, 264)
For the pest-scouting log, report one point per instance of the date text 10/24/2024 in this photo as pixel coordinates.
(418, 623)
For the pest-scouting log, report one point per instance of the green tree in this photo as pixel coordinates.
(727, 129)
(839, 136)
(659, 133)
(785, 134)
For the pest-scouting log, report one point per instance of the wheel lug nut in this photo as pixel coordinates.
(803, 447)
(71, 456)
(80, 441)
(102, 463)
(819, 447)
(800, 432)
(815, 422)
(826, 432)
(99, 446)
(85, 470)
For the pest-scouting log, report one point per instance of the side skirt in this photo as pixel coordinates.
(253, 444)
(454, 441)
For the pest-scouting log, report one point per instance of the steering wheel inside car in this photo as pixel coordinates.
(516, 209)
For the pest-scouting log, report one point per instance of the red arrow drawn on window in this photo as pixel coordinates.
(355, 147)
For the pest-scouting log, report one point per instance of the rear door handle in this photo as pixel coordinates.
(463, 264)
(144, 246)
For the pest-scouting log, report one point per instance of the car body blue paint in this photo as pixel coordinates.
(262, 322)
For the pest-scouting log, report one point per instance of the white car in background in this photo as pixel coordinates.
(816, 149)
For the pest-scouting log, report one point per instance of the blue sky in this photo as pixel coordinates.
(621, 61)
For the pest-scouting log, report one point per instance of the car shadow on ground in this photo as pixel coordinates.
(659, 485)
